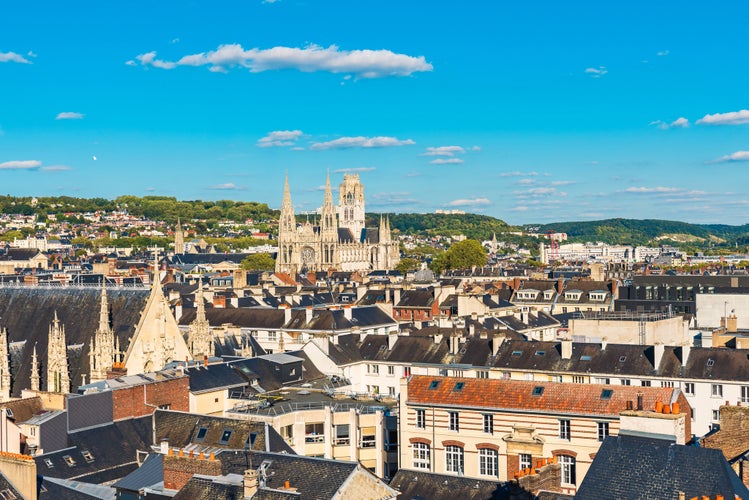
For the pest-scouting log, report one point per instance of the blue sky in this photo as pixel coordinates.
(527, 111)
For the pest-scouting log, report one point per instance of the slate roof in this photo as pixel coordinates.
(51, 488)
(149, 474)
(417, 485)
(113, 448)
(28, 312)
(345, 235)
(259, 318)
(216, 377)
(19, 254)
(211, 488)
(208, 258)
(416, 298)
(521, 395)
(5, 484)
(24, 409)
(181, 431)
(643, 468)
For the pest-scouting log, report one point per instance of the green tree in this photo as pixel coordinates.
(462, 255)
(258, 261)
(407, 264)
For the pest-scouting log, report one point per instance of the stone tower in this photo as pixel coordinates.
(351, 205)
(34, 377)
(328, 230)
(179, 239)
(199, 336)
(4, 366)
(101, 350)
(286, 232)
(58, 379)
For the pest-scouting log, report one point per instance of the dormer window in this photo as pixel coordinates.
(548, 294)
(572, 295)
(597, 296)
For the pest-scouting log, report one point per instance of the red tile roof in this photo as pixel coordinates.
(518, 395)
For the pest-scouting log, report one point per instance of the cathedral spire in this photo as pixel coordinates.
(4, 366)
(179, 239)
(101, 346)
(34, 371)
(199, 336)
(58, 379)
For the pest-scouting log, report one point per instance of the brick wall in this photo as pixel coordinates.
(142, 400)
(546, 478)
(179, 469)
(733, 437)
(513, 464)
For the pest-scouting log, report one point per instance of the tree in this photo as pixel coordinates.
(258, 261)
(462, 255)
(407, 264)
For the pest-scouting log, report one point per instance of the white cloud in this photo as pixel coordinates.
(663, 53)
(13, 57)
(362, 142)
(56, 168)
(270, 1)
(541, 191)
(394, 198)
(596, 72)
(362, 63)
(519, 208)
(659, 189)
(229, 186)
(279, 138)
(526, 182)
(446, 161)
(680, 122)
(444, 151)
(518, 174)
(562, 183)
(20, 165)
(733, 118)
(69, 115)
(354, 170)
(469, 202)
(737, 156)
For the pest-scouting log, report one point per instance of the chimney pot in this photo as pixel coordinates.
(287, 484)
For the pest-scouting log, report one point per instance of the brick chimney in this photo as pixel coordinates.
(178, 469)
(250, 483)
(20, 470)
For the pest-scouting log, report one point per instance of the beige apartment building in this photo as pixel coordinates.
(491, 429)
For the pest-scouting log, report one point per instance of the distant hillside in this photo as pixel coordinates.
(647, 231)
(479, 227)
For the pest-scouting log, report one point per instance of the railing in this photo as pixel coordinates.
(622, 315)
(56, 284)
(283, 408)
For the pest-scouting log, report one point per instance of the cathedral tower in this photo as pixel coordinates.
(58, 379)
(351, 205)
(101, 351)
(328, 229)
(286, 233)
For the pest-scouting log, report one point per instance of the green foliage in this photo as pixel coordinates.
(259, 261)
(474, 226)
(462, 255)
(408, 264)
(11, 235)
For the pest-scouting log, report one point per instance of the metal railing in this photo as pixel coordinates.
(623, 315)
(284, 408)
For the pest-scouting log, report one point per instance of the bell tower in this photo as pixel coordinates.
(351, 205)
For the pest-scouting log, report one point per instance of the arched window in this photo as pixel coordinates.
(488, 462)
(421, 456)
(568, 469)
(454, 459)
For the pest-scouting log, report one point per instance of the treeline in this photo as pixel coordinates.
(153, 207)
(473, 226)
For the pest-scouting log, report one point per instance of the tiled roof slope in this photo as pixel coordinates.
(518, 395)
(639, 468)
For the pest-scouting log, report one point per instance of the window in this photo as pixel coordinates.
(489, 424)
(525, 460)
(506, 375)
(314, 433)
(391, 370)
(87, 456)
(434, 384)
(7, 494)
(454, 458)
(578, 379)
(716, 390)
(421, 456)
(225, 436)
(568, 469)
(488, 462)
(482, 374)
(201, 434)
(48, 463)
(745, 393)
(603, 430)
(645, 383)
(9, 412)
(459, 386)
(564, 429)
(421, 419)
(626, 381)
(69, 460)
(689, 388)
(373, 369)
(606, 394)
(272, 336)
(527, 376)
(667, 383)
(391, 391)
(454, 422)
(368, 439)
(716, 415)
(555, 378)
(406, 371)
(341, 435)
(603, 380)
(710, 363)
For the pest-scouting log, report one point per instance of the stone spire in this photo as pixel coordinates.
(58, 379)
(101, 353)
(34, 371)
(285, 261)
(199, 337)
(4, 366)
(179, 238)
(494, 243)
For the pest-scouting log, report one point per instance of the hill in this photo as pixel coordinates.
(474, 226)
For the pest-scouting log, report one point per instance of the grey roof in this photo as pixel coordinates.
(212, 488)
(425, 485)
(416, 298)
(5, 484)
(643, 468)
(260, 318)
(215, 377)
(28, 312)
(66, 489)
(149, 474)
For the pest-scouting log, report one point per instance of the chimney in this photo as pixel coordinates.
(437, 338)
(454, 343)
(497, 340)
(347, 312)
(560, 286)
(658, 350)
(20, 471)
(392, 339)
(684, 351)
(308, 316)
(604, 343)
(396, 296)
(286, 312)
(732, 324)
(164, 447)
(639, 401)
(566, 349)
(205, 360)
(250, 483)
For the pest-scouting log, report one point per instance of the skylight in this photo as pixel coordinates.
(540, 353)
(201, 434)
(538, 390)
(622, 359)
(225, 436)
(87, 456)
(69, 460)
(585, 357)
(710, 362)
(606, 393)
(434, 384)
(517, 353)
(459, 386)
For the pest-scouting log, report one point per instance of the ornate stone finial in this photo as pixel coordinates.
(34, 371)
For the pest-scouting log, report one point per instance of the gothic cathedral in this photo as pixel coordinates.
(341, 241)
